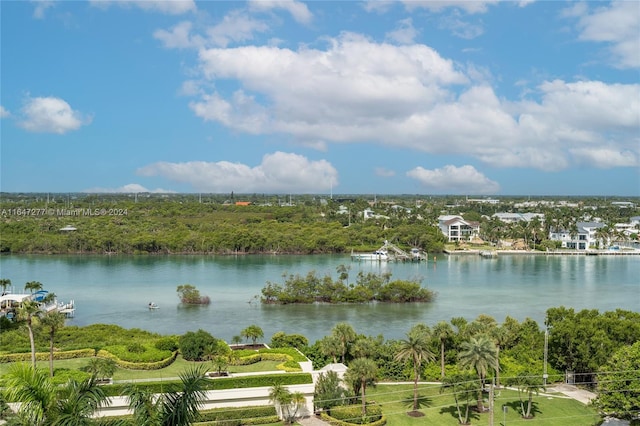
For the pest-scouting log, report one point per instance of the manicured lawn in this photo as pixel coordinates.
(173, 370)
(439, 409)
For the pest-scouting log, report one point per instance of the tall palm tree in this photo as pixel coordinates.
(28, 312)
(346, 335)
(479, 353)
(442, 331)
(500, 337)
(361, 371)
(415, 348)
(52, 321)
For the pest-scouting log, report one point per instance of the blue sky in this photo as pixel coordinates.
(387, 97)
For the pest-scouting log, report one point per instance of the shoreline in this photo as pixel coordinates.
(496, 253)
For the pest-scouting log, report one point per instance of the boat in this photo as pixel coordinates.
(152, 305)
(489, 253)
(380, 255)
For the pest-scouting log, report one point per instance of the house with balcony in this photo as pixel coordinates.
(583, 237)
(456, 228)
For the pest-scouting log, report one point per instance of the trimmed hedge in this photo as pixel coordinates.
(291, 358)
(352, 414)
(335, 422)
(248, 421)
(292, 352)
(138, 365)
(138, 353)
(221, 383)
(237, 413)
(44, 356)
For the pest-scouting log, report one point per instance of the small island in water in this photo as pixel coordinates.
(369, 287)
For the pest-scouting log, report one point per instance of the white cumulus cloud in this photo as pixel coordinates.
(298, 10)
(279, 172)
(169, 7)
(131, 188)
(4, 112)
(617, 24)
(454, 180)
(50, 115)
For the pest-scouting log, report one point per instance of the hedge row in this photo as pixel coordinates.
(289, 365)
(138, 365)
(237, 413)
(352, 414)
(146, 354)
(44, 356)
(295, 354)
(221, 383)
(241, 422)
(335, 422)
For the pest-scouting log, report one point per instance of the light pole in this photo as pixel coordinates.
(545, 376)
(504, 415)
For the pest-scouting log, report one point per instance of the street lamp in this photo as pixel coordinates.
(504, 415)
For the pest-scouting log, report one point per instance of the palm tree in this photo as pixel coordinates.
(28, 312)
(416, 349)
(33, 286)
(177, 407)
(500, 336)
(330, 347)
(252, 332)
(101, 368)
(346, 335)
(4, 283)
(43, 403)
(442, 331)
(361, 371)
(78, 401)
(478, 354)
(281, 397)
(527, 383)
(463, 387)
(180, 405)
(35, 391)
(52, 321)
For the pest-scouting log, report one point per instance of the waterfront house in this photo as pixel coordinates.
(456, 228)
(582, 237)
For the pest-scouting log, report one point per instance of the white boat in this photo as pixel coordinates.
(152, 305)
(378, 255)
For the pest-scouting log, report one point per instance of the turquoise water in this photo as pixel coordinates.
(115, 289)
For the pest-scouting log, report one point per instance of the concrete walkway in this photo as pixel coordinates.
(312, 421)
(574, 392)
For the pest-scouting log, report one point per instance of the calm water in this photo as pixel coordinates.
(113, 289)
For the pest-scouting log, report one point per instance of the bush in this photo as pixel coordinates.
(139, 365)
(62, 375)
(167, 344)
(352, 414)
(138, 353)
(194, 345)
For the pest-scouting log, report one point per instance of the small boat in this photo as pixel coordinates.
(489, 254)
(152, 305)
(378, 255)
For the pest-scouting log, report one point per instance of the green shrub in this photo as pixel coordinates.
(167, 344)
(241, 413)
(135, 348)
(139, 354)
(62, 375)
(157, 365)
(353, 414)
(267, 380)
(44, 356)
(195, 345)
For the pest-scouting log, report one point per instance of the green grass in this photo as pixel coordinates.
(173, 370)
(439, 409)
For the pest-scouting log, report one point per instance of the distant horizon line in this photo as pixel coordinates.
(331, 196)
